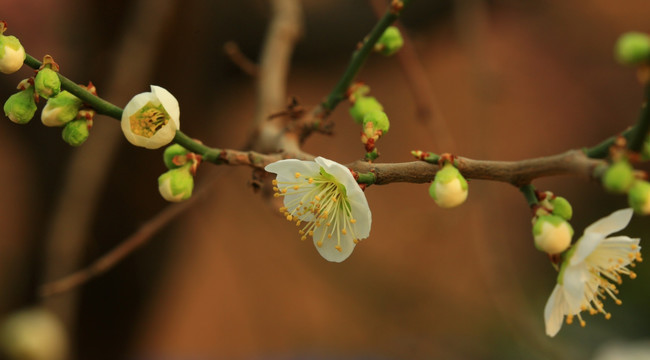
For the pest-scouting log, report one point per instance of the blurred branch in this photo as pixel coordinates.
(417, 79)
(238, 58)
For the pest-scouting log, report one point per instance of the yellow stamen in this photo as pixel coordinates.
(297, 175)
(338, 247)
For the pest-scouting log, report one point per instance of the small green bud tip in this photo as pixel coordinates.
(362, 106)
(75, 132)
(12, 54)
(170, 154)
(379, 120)
(390, 41)
(619, 177)
(449, 188)
(639, 197)
(21, 107)
(60, 109)
(176, 185)
(632, 48)
(552, 234)
(562, 208)
(47, 83)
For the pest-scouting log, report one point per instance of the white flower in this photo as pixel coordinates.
(150, 119)
(590, 270)
(324, 195)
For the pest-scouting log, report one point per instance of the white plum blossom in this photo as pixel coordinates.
(150, 119)
(324, 196)
(590, 271)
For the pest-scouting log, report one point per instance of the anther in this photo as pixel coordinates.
(618, 302)
(297, 175)
(344, 232)
(311, 180)
(289, 217)
(338, 247)
(356, 241)
(632, 275)
(303, 238)
(608, 316)
(353, 221)
(329, 236)
(296, 187)
(274, 182)
(319, 243)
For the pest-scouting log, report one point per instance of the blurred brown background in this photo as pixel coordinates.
(229, 279)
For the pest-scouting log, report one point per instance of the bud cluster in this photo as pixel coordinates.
(177, 183)
(551, 229)
(622, 178)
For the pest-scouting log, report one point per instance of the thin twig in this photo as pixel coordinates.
(238, 58)
(127, 247)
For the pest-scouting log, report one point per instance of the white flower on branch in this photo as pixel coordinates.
(150, 119)
(324, 196)
(590, 271)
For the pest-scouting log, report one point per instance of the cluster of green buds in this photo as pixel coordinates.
(177, 183)
(622, 178)
(62, 109)
(12, 53)
(551, 229)
(390, 41)
(369, 113)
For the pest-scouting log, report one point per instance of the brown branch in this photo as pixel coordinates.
(238, 58)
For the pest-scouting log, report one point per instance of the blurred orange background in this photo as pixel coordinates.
(229, 279)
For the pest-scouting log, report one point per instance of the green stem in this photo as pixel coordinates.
(207, 153)
(530, 194)
(635, 135)
(100, 105)
(368, 178)
(359, 58)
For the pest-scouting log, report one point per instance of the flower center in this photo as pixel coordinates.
(148, 120)
(321, 202)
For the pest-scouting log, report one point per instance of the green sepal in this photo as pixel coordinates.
(76, 132)
(362, 106)
(47, 83)
(21, 107)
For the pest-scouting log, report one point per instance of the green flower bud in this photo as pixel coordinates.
(552, 234)
(639, 197)
(449, 188)
(171, 152)
(619, 177)
(12, 54)
(379, 120)
(176, 184)
(47, 83)
(390, 41)
(561, 207)
(60, 109)
(20, 107)
(632, 48)
(362, 106)
(75, 132)
(34, 334)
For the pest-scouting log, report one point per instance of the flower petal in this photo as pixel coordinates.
(617, 221)
(574, 280)
(286, 169)
(328, 250)
(169, 102)
(554, 311)
(615, 250)
(585, 246)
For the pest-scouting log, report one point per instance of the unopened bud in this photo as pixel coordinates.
(449, 188)
(639, 197)
(362, 106)
(34, 334)
(176, 184)
(60, 109)
(619, 177)
(174, 156)
(47, 83)
(561, 207)
(21, 107)
(12, 53)
(75, 132)
(552, 234)
(379, 121)
(390, 41)
(632, 48)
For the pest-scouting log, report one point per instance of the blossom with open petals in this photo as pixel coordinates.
(590, 271)
(324, 196)
(150, 119)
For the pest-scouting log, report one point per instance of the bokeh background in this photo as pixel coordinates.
(229, 278)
